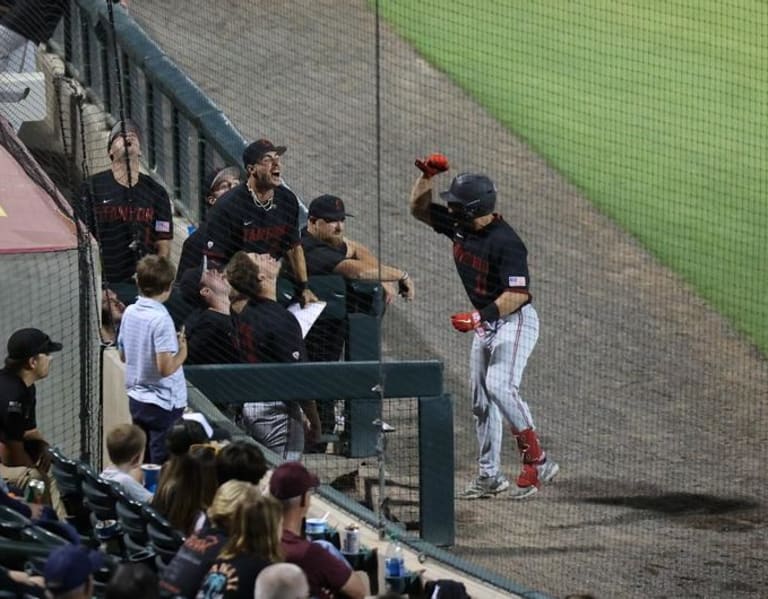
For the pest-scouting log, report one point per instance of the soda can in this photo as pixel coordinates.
(35, 491)
(351, 542)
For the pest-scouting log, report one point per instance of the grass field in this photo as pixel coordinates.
(658, 111)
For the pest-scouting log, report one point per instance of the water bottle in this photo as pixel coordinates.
(394, 561)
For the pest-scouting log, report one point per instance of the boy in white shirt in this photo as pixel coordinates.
(125, 446)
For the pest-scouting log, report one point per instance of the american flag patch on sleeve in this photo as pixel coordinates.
(162, 226)
(517, 282)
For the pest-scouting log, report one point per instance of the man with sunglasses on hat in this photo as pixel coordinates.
(23, 449)
(260, 216)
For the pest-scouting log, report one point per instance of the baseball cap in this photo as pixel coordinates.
(291, 479)
(260, 148)
(189, 286)
(214, 177)
(70, 566)
(468, 187)
(130, 127)
(328, 207)
(446, 589)
(26, 343)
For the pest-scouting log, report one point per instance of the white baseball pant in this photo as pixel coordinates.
(499, 354)
(277, 425)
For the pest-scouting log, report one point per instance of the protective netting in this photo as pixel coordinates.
(628, 146)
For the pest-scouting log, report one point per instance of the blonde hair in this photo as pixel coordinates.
(125, 442)
(256, 530)
(228, 496)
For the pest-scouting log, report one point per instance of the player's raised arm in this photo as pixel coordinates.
(421, 193)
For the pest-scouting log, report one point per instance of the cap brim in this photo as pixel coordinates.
(53, 346)
(280, 149)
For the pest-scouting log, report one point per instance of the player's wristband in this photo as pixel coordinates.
(490, 313)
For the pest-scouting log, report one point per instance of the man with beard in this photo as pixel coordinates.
(260, 216)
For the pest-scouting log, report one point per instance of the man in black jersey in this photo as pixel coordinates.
(209, 329)
(128, 212)
(265, 332)
(218, 183)
(260, 216)
(492, 262)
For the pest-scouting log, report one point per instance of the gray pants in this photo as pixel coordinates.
(499, 355)
(277, 425)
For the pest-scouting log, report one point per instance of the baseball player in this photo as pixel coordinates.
(492, 262)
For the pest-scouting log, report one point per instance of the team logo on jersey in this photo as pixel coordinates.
(516, 282)
(295, 355)
(162, 226)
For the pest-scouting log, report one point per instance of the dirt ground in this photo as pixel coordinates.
(654, 406)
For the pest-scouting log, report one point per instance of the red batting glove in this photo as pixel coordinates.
(466, 321)
(432, 165)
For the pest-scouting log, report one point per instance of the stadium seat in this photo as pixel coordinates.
(130, 515)
(100, 496)
(69, 480)
(163, 538)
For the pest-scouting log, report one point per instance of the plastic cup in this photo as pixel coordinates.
(151, 476)
(315, 527)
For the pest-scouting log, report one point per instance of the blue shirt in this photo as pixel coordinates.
(146, 330)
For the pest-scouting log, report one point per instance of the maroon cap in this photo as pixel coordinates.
(291, 479)
(258, 149)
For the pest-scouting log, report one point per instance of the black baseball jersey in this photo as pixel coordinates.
(210, 338)
(17, 407)
(489, 261)
(266, 332)
(118, 215)
(321, 257)
(236, 222)
(35, 20)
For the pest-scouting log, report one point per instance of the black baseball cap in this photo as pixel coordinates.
(26, 343)
(328, 207)
(291, 479)
(258, 149)
(130, 127)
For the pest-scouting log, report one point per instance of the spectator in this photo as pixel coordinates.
(260, 215)
(69, 570)
(216, 185)
(26, 21)
(265, 332)
(112, 310)
(22, 584)
(23, 449)
(281, 581)
(125, 446)
(132, 581)
(127, 212)
(154, 354)
(186, 488)
(184, 574)
(292, 484)
(210, 331)
(254, 545)
(240, 460)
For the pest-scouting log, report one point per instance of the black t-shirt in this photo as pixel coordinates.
(237, 223)
(321, 257)
(118, 215)
(36, 20)
(489, 261)
(232, 578)
(266, 332)
(184, 575)
(210, 338)
(17, 407)
(193, 249)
